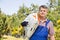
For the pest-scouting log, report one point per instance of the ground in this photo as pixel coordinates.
(5, 37)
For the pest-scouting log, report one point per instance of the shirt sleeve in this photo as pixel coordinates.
(51, 29)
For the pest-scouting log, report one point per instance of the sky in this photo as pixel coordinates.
(12, 6)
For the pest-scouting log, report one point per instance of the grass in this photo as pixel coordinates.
(5, 37)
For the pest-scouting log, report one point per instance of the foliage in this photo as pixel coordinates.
(10, 24)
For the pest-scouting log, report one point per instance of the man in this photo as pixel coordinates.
(37, 26)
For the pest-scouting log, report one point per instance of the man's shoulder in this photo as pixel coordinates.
(50, 23)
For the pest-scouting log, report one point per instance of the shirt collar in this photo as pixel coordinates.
(43, 20)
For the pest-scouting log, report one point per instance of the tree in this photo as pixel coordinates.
(2, 23)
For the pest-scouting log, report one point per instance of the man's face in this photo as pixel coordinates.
(43, 12)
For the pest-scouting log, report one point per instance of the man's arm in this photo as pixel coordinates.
(52, 37)
(51, 31)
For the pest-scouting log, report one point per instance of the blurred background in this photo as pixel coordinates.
(13, 12)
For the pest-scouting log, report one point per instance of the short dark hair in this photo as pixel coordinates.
(43, 6)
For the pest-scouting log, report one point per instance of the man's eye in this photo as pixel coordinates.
(44, 10)
(40, 10)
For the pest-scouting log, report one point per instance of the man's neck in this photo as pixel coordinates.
(41, 17)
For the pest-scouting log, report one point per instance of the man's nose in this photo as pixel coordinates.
(42, 12)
